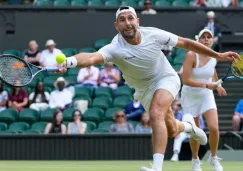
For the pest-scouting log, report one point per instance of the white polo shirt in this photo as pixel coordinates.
(142, 64)
(48, 58)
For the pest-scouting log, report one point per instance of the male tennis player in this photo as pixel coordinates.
(137, 53)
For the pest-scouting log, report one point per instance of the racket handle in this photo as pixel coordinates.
(51, 69)
(219, 82)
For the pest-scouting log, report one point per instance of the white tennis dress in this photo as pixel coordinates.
(197, 100)
(144, 66)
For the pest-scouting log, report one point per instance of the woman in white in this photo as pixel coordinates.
(77, 126)
(198, 77)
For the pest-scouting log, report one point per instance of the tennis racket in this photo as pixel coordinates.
(14, 71)
(236, 69)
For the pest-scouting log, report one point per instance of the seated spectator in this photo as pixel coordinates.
(148, 8)
(237, 121)
(40, 98)
(178, 113)
(230, 3)
(88, 76)
(18, 99)
(60, 98)
(134, 110)
(109, 76)
(56, 126)
(33, 54)
(3, 97)
(200, 3)
(77, 126)
(144, 126)
(121, 125)
(214, 27)
(48, 56)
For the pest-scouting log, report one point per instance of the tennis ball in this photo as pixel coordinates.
(60, 58)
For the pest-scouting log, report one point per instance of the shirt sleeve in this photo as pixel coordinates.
(238, 108)
(166, 38)
(107, 52)
(31, 96)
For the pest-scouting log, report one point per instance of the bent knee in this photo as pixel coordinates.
(172, 132)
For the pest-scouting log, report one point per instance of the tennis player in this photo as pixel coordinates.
(137, 53)
(197, 98)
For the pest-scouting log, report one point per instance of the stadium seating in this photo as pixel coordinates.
(100, 43)
(112, 3)
(121, 101)
(69, 52)
(19, 126)
(22, 54)
(100, 130)
(105, 124)
(47, 114)
(9, 116)
(87, 49)
(11, 52)
(29, 115)
(83, 92)
(162, 3)
(3, 126)
(39, 126)
(181, 3)
(67, 114)
(29, 131)
(104, 91)
(124, 91)
(90, 126)
(83, 98)
(102, 102)
(96, 3)
(49, 80)
(73, 71)
(129, 2)
(61, 3)
(93, 114)
(44, 3)
(72, 80)
(78, 3)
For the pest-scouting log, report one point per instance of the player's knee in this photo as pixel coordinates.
(236, 118)
(156, 115)
(213, 129)
(172, 132)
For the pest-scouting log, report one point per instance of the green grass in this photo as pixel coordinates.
(105, 166)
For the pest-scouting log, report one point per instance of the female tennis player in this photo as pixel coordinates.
(198, 77)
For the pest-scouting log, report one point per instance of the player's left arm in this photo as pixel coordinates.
(199, 48)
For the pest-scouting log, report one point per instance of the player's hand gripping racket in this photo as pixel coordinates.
(14, 71)
(236, 69)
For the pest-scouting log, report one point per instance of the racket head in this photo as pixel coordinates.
(14, 71)
(237, 67)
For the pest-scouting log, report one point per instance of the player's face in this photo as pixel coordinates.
(206, 39)
(127, 24)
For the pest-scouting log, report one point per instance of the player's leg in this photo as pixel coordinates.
(177, 145)
(211, 118)
(236, 123)
(195, 148)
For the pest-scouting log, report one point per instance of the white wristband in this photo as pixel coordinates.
(71, 62)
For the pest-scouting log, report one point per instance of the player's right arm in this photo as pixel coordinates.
(187, 70)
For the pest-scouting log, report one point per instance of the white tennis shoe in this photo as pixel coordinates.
(214, 162)
(197, 133)
(196, 165)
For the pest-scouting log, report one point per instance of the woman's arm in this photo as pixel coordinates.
(82, 130)
(69, 129)
(187, 70)
(24, 103)
(64, 129)
(48, 128)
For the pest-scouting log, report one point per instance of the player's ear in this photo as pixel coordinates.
(116, 25)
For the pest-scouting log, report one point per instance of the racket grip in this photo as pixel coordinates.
(51, 69)
(219, 82)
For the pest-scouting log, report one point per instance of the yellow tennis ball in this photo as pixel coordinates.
(60, 58)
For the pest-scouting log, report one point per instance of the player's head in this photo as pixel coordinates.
(205, 37)
(127, 22)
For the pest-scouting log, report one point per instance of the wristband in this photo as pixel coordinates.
(71, 62)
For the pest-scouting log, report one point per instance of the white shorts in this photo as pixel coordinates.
(197, 104)
(169, 83)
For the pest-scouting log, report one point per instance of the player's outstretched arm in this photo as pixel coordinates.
(81, 60)
(199, 48)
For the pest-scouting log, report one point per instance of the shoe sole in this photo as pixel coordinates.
(196, 131)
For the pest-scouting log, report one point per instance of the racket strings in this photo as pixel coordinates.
(14, 71)
(237, 68)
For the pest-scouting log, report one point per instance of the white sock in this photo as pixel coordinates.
(158, 161)
(195, 159)
(188, 127)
